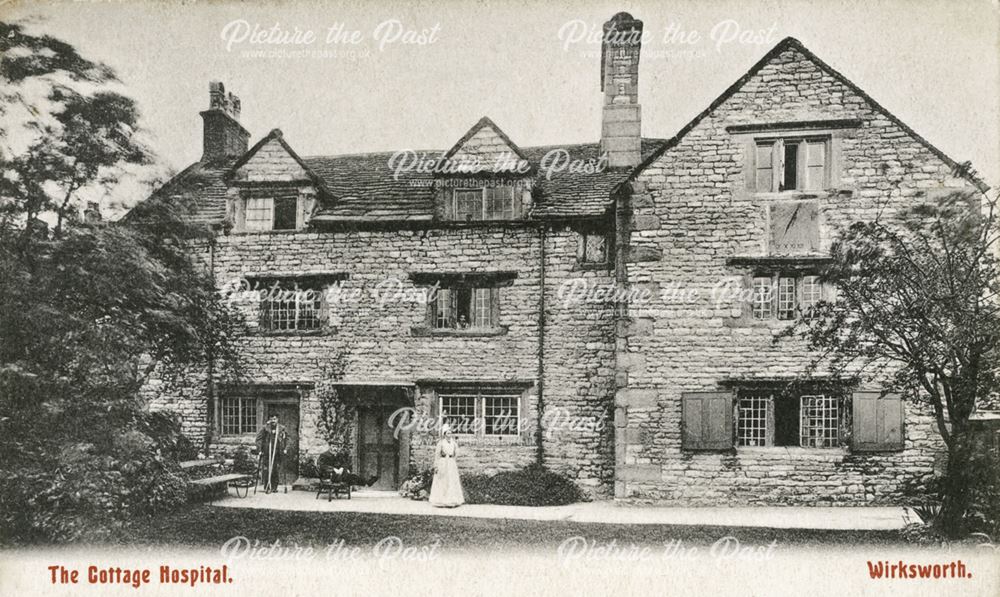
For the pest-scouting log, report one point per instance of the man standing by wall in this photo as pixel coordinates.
(272, 443)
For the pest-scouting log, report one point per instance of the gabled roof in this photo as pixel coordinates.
(277, 135)
(790, 43)
(483, 123)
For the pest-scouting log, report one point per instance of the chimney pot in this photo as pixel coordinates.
(224, 137)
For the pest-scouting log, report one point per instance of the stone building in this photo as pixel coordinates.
(613, 317)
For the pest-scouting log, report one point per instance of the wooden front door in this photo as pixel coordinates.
(378, 450)
(288, 418)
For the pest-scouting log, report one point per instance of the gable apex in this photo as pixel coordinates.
(484, 148)
(293, 169)
(791, 43)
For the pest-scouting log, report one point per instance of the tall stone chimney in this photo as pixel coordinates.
(224, 136)
(621, 120)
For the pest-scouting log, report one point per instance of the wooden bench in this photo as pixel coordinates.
(188, 464)
(332, 488)
(230, 480)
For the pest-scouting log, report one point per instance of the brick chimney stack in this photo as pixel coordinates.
(622, 116)
(224, 136)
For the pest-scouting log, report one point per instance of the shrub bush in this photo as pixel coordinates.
(418, 486)
(85, 492)
(307, 468)
(531, 486)
(984, 515)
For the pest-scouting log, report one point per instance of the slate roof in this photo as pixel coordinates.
(568, 194)
(203, 185)
(364, 188)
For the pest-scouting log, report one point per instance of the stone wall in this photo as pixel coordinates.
(690, 211)
(373, 335)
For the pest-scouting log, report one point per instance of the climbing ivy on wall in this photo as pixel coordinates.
(335, 418)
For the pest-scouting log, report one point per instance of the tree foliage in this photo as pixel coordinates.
(64, 129)
(88, 312)
(917, 310)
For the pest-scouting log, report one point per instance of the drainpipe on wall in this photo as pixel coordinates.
(211, 355)
(540, 401)
(623, 217)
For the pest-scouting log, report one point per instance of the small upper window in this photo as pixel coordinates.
(285, 212)
(270, 213)
(464, 308)
(812, 292)
(487, 203)
(290, 306)
(791, 165)
(763, 298)
(259, 214)
(592, 247)
(784, 297)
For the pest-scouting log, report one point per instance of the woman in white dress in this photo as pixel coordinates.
(446, 488)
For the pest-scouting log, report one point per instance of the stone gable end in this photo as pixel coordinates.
(271, 163)
(486, 146)
(701, 341)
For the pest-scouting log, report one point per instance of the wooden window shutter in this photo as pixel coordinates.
(239, 216)
(518, 191)
(815, 165)
(877, 424)
(306, 204)
(706, 420)
(764, 167)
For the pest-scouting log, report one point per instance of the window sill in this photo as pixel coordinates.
(780, 262)
(423, 331)
(294, 333)
(798, 194)
(790, 451)
(746, 321)
(235, 232)
(241, 438)
(591, 267)
(486, 440)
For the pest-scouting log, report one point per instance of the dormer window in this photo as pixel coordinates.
(274, 210)
(271, 214)
(487, 203)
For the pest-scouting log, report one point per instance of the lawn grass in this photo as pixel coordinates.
(203, 525)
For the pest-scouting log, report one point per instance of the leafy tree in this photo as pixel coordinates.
(88, 312)
(64, 130)
(917, 307)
